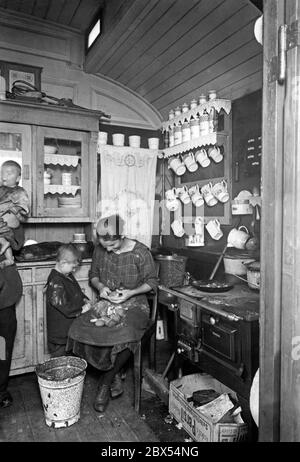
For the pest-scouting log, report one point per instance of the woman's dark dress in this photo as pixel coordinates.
(100, 345)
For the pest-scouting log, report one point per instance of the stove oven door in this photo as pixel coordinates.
(220, 339)
(189, 321)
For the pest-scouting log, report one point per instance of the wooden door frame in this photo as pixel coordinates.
(271, 232)
(279, 416)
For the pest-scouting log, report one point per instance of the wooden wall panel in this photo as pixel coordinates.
(58, 51)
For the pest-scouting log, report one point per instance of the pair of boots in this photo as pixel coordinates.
(114, 390)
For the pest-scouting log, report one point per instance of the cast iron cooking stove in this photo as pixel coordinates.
(218, 333)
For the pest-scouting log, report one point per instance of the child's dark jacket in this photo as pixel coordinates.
(64, 299)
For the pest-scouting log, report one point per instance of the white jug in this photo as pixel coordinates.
(237, 238)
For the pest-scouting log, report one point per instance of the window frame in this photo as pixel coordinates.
(96, 18)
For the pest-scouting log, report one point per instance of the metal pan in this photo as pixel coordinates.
(211, 285)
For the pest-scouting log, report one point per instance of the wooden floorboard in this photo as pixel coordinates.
(32, 403)
(24, 421)
(14, 422)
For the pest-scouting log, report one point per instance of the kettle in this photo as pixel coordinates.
(238, 238)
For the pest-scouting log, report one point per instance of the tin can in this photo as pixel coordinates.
(184, 108)
(171, 136)
(66, 179)
(186, 131)
(171, 114)
(193, 104)
(177, 111)
(204, 124)
(178, 135)
(195, 128)
(202, 99)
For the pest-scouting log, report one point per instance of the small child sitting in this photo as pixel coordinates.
(64, 298)
(14, 208)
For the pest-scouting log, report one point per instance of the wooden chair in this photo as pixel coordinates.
(148, 339)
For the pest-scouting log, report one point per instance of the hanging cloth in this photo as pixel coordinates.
(128, 188)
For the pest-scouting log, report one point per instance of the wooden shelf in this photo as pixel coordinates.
(211, 138)
(61, 159)
(217, 104)
(60, 189)
(71, 219)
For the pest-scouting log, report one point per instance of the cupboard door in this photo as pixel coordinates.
(23, 358)
(42, 346)
(62, 187)
(15, 144)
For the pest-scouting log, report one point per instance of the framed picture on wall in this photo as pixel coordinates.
(17, 71)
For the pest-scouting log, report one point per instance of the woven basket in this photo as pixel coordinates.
(172, 269)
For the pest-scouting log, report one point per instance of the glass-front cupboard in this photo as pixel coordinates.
(57, 150)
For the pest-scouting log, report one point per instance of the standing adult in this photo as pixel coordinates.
(10, 293)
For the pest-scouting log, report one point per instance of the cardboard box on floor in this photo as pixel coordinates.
(198, 426)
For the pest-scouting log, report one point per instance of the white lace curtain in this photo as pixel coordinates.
(128, 188)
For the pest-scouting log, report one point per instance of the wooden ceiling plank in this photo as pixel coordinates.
(216, 80)
(158, 56)
(231, 91)
(130, 36)
(54, 10)
(85, 14)
(11, 4)
(40, 8)
(97, 55)
(155, 33)
(181, 88)
(209, 53)
(215, 30)
(165, 13)
(114, 10)
(212, 24)
(246, 85)
(68, 11)
(234, 90)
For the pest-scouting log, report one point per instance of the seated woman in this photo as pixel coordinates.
(123, 271)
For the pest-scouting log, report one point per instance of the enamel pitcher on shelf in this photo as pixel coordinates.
(238, 238)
